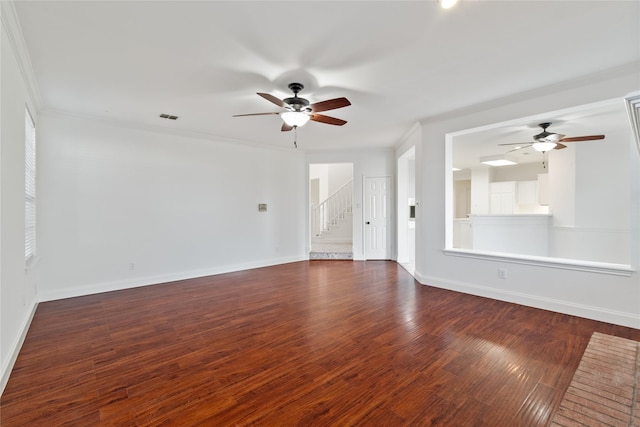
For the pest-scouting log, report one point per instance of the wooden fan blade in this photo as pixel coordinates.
(286, 127)
(517, 143)
(330, 104)
(328, 120)
(272, 98)
(559, 147)
(582, 138)
(255, 114)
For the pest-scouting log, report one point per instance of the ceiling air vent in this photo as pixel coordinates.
(169, 117)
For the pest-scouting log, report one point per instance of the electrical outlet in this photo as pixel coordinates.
(132, 266)
(502, 273)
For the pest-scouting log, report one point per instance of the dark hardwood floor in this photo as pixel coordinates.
(327, 343)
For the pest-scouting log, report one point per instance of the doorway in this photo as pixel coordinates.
(331, 210)
(406, 209)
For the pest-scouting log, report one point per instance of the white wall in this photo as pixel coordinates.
(598, 204)
(127, 207)
(17, 285)
(591, 217)
(521, 172)
(365, 163)
(321, 173)
(339, 174)
(607, 297)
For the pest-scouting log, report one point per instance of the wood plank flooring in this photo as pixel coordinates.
(326, 343)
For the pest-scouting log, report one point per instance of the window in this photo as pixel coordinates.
(29, 187)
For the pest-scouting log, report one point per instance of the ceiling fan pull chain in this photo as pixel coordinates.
(295, 136)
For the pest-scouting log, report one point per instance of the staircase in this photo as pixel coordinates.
(332, 226)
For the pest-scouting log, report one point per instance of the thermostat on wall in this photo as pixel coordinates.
(262, 207)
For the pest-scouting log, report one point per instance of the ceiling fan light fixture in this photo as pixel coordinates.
(543, 147)
(447, 4)
(554, 137)
(295, 118)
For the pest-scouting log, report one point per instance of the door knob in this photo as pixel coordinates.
(368, 223)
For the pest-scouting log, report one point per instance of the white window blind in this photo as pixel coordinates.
(29, 186)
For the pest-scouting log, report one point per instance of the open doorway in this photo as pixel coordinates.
(407, 210)
(330, 210)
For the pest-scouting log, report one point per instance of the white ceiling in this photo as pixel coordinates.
(397, 61)
(601, 118)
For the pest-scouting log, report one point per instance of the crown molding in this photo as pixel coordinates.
(585, 81)
(11, 24)
(183, 133)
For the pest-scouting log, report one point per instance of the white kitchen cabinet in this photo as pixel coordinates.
(502, 197)
(527, 192)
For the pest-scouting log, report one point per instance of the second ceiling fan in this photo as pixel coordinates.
(298, 111)
(545, 140)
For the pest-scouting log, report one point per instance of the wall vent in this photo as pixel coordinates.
(169, 117)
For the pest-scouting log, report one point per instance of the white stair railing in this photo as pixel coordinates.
(330, 211)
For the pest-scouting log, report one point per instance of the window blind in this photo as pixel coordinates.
(29, 187)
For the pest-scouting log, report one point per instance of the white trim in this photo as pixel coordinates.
(11, 23)
(539, 261)
(31, 263)
(406, 139)
(631, 320)
(164, 130)
(632, 102)
(116, 285)
(588, 266)
(7, 367)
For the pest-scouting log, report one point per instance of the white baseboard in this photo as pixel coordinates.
(136, 282)
(7, 367)
(631, 320)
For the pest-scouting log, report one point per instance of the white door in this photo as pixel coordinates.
(377, 221)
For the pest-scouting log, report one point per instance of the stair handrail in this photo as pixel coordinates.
(333, 208)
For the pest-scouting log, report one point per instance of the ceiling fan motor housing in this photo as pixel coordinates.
(296, 103)
(541, 137)
(296, 87)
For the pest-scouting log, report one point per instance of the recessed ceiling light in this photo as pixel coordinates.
(499, 160)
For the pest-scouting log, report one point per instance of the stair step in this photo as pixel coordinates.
(331, 255)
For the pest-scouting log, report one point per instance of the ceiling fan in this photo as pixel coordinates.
(545, 141)
(298, 111)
